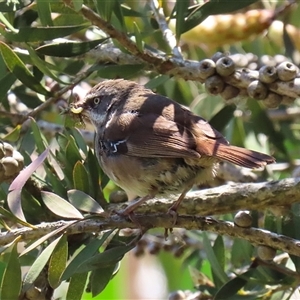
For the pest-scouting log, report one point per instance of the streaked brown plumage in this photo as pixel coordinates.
(150, 145)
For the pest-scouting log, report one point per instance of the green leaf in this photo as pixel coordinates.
(215, 265)
(14, 196)
(9, 6)
(120, 10)
(115, 71)
(39, 264)
(6, 82)
(39, 138)
(156, 81)
(261, 123)
(18, 68)
(98, 179)
(241, 252)
(231, 287)
(14, 135)
(40, 34)
(181, 9)
(12, 217)
(80, 177)
(12, 277)
(41, 65)
(223, 117)
(87, 252)
(212, 7)
(69, 48)
(84, 202)
(290, 227)
(77, 4)
(72, 152)
(76, 286)
(57, 263)
(44, 11)
(105, 8)
(219, 251)
(100, 278)
(138, 37)
(59, 206)
(104, 259)
(45, 238)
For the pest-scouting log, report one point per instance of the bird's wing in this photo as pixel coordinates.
(151, 135)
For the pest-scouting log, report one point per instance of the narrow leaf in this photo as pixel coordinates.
(104, 259)
(69, 48)
(57, 263)
(213, 7)
(181, 9)
(84, 202)
(216, 267)
(41, 65)
(77, 4)
(138, 37)
(6, 82)
(39, 138)
(14, 135)
(76, 286)
(60, 206)
(19, 69)
(45, 238)
(44, 11)
(80, 177)
(12, 274)
(231, 287)
(39, 264)
(14, 196)
(89, 250)
(40, 34)
(100, 278)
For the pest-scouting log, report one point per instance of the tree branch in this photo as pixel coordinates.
(227, 199)
(221, 200)
(253, 235)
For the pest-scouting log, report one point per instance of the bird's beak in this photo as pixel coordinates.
(76, 109)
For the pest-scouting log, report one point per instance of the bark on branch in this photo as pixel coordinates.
(214, 201)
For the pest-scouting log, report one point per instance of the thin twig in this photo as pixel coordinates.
(166, 31)
(122, 38)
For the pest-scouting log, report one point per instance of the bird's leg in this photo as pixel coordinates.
(173, 209)
(130, 208)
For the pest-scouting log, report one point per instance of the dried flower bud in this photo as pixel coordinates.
(266, 252)
(207, 68)
(257, 90)
(229, 92)
(10, 166)
(267, 74)
(8, 149)
(217, 56)
(287, 71)
(273, 100)
(225, 66)
(243, 219)
(286, 100)
(214, 84)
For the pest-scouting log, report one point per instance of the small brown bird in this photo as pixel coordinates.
(150, 145)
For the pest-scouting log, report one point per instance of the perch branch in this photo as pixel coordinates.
(255, 236)
(221, 200)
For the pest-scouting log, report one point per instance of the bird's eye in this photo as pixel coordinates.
(96, 100)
